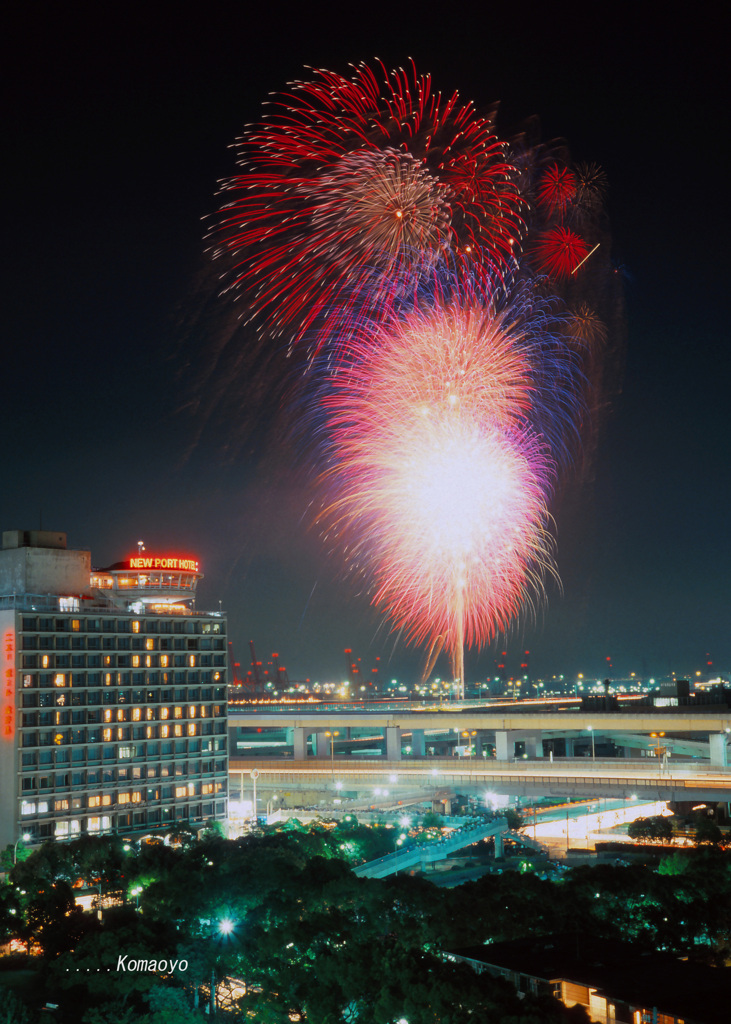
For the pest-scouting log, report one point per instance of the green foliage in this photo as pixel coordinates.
(213, 829)
(168, 1005)
(314, 939)
(707, 831)
(513, 819)
(111, 1013)
(13, 1010)
(656, 829)
(432, 820)
(673, 864)
(13, 854)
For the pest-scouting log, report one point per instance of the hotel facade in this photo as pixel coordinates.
(114, 697)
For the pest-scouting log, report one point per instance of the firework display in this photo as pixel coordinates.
(358, 172)
(437, 484)
(449, 291)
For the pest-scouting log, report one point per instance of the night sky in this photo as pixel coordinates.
(117, 129)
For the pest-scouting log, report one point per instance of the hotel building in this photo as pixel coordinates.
(114, 694)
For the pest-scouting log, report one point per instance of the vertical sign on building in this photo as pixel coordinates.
(7, 708)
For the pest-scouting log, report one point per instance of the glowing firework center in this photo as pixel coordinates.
(159, 582)
(439, 486)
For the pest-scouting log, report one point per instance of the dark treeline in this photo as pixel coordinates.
(283, 913)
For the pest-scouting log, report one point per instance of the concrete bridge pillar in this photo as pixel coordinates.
(719, 749)
(504, 745)
(478, 745)
(393, 743)
(534, 744)
(569, 746)
(299, 741)
(418, 746)
(322, 744)
(499, 848)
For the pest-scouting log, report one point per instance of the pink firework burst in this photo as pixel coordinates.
(355, 172)
(436, 487)
(559, 252)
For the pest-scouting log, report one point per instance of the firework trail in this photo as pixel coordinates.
(349, 173)
(437, 482)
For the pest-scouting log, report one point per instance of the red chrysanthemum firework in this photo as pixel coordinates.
(352, 173)
(559, 252)
(556, 188)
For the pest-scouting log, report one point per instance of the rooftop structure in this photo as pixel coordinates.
(613, 981)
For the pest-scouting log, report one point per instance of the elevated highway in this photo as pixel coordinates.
(697, 732)
(572, 778)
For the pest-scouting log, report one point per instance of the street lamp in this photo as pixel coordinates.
(136, 893)
(254, 774)
(24, 838)
(332, 736)
(658, 749)
(225, 928)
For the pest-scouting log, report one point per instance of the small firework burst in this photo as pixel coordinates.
(556, 189)
(591, 187)
(559, 252)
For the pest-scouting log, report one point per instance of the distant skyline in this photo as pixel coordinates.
(115, 152)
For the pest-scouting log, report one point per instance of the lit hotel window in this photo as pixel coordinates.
(59, 679)
(135, 626)
(191, 660)
(164, 713)
(27, 807)
(150, 714)
(178, 712)
(191, 728)
(178, 730)
(136, 714)
(107, 714)
(191, 711)
(137, 798)
(75, 625)
(95, 801)
(149, 644)
(180, 791)
(150, 732)
(44, 661)
(148, 661)
(135, 661)
(107, 735)
(122, 798)
(107, 678)
(121, 715)
(164, 661)
(164, 731)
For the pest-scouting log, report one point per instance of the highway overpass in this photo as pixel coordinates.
(698, 732)
(390, 781)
